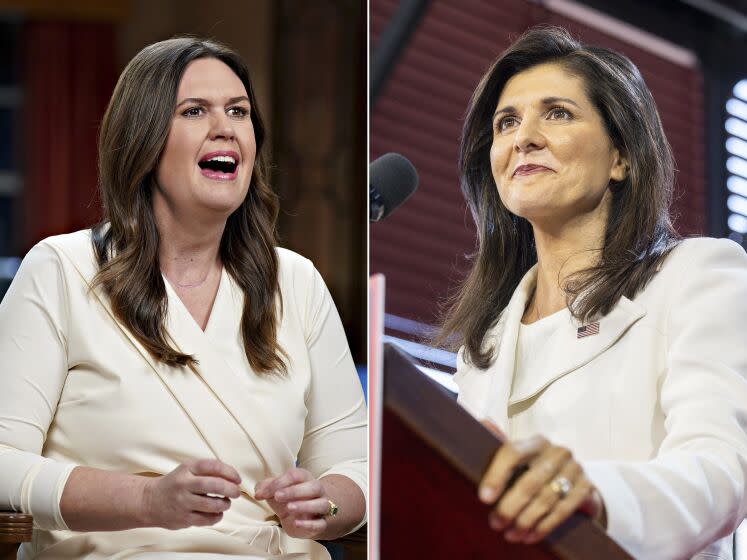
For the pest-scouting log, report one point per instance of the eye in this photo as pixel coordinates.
(193, 112)
(503, 124)
(238, 112)
(559, 113)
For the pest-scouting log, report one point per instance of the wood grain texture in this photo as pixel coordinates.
(15, 528)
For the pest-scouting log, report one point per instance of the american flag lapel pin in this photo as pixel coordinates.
(588, 330)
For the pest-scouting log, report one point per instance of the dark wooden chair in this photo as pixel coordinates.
(16, 528)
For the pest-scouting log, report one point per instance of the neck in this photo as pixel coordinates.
(562, 250)
(189, 249)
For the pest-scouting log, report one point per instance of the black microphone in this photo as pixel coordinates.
(392, 179)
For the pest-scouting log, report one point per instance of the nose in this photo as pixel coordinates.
(221, 127)
(528, 136)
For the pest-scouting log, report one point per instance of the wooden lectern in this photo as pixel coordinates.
(433, 456)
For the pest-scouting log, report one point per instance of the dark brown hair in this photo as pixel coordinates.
(132, 136)
(639, 232)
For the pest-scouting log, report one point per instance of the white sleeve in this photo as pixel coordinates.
(335, 439)
(694, 491)
(33, 367)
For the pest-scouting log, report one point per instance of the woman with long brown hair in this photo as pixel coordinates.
(172, 381)
(608, 351)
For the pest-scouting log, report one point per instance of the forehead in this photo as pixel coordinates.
(539, 82)
(210, 78)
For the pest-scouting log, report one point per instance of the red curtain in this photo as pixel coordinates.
(69, 74)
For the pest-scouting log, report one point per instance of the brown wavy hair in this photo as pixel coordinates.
(131, 138)
(639, 231)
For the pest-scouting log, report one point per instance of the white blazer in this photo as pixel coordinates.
(77, 388)
(654, 406)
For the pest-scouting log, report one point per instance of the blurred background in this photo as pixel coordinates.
(60, 59)
(427, 57)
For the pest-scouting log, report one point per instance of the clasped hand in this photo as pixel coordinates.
(537, 503)
(299, 500)
(195, 493)
(198, 492)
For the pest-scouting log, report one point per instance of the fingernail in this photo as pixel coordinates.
(511, 535)
(495, 523)
(487, 494)
(292, 506)
(279, 495)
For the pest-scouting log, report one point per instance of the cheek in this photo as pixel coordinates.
(500, 154)
(249, 147)
(595, 170)
(179, 152)
(497, 159)
(588, 156)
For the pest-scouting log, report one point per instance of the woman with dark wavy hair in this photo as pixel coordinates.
(173, 382)
(608, 351)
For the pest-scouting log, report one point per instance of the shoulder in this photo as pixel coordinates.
(290, 262)
(699, 276)
(298, 277)
(303, 287)
(75, 246)
(697, 256)
(699, 250)
(48, 270)
(74, 252)
(52, 252)
(71, 242)
(295, 272)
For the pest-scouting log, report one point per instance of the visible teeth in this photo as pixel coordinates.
(227, 159)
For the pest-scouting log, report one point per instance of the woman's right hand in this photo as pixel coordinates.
(179, 499)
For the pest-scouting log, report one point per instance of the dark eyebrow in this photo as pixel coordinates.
(546, 101)
(206, 102)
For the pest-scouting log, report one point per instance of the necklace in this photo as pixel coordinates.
(195, 285)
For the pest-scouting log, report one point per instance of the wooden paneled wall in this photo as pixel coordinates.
(320, 142)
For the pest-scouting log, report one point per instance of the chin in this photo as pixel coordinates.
(225, 199)
(529, 207)
(224, 205)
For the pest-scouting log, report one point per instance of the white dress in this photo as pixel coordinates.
(76, 388)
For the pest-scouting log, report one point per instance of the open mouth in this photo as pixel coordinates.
(225, 165)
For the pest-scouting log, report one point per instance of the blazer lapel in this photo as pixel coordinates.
(569, 352)
(503, 337)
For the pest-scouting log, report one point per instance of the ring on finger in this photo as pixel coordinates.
(333, 509)
(561, 486)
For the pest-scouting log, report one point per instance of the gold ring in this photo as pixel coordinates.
(333, 509)
(561, 486)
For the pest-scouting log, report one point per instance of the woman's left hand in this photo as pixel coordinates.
(553, 487)
(299, 500)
